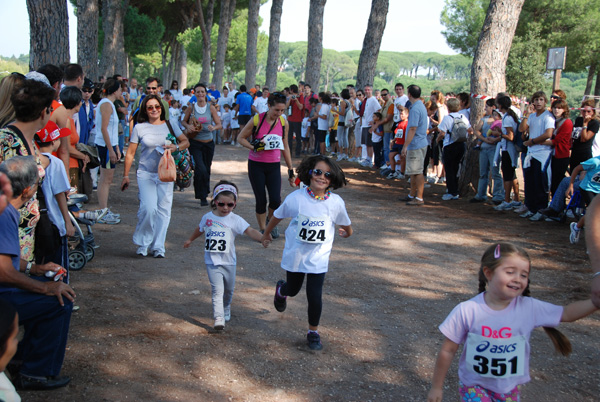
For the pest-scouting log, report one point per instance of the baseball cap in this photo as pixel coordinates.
(51, 132)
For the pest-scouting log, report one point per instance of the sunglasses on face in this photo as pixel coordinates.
(229, 204)
(319, 172)
(555, 97)
(384, 94)
(87, 90)
(152, 107)
(151, 88)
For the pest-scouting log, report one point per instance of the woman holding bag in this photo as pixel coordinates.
(156, 197)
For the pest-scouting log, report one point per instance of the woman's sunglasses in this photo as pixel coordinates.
(319, 172)
(229, 204)
(152, 107)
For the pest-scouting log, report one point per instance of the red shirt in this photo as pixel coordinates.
(401, 126)
(297, 114)
(562, 140)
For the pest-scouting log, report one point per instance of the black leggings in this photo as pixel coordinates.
(314, 292)
(265, 174)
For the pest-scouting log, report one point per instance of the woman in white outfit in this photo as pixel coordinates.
(156, 197)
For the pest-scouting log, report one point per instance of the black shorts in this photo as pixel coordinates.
(243, 119)
(508, 171)
(104, 157)
(332, 136)
(397, 148)
(320, 136)
(587, 196)
(366, 137)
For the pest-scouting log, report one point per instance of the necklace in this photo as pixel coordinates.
(318, 197)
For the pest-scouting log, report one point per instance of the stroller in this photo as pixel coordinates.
(81, 246)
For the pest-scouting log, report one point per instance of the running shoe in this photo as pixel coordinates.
(95, 215)
(219, 323)
(448, 196)
(527, 214)
(504, 206)
(523, 208)
(441, 180)
(575, 232)
(109, 219)
(516, 204)
(113, 214)
(391, 176)
(143, 251)
(538, 216)
(227, 313)
(314, 340)
(280, 302)
(158, 254)
(570, 214)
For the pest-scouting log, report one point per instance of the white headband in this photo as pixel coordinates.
(224, 187)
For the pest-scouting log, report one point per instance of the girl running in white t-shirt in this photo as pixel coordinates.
(495, 327)
(315, 211)
(221, 226)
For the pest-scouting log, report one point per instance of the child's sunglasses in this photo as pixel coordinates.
(229, 204)
(319, 172)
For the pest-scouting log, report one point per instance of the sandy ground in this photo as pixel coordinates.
(144, 330)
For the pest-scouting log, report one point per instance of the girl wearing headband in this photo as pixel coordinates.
(221, 226)
(495, 327)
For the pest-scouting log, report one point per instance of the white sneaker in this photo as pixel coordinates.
(448, 196)
(441, 180)
(526, 214)
(143, 251)
(537, 217)
(95, 215)
(575, 232)
(432, 179)
(504, 206)
(219, 323)
(109, 219)
(113, 214)
(391, 176)
(340, 158)
(570, 214)
(516, 204)
(523, 208)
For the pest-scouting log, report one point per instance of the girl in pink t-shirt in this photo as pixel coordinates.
(495, 327)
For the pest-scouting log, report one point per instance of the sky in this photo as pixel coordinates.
(411, 25)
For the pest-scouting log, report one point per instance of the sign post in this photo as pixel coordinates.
(555, 60)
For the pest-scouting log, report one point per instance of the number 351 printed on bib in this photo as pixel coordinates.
(496, 357)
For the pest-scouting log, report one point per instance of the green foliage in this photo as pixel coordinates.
(142, 33)
(526, 65)
(463, 20)
(14, 64)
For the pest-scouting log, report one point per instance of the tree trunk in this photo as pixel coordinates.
(206, 28)
(597, 87)
(274, 33)
(370, 50)
(590, 79)
(49, 32)
(182, 70)
(113, 51)
(87, 37)
(251, 42)
(227, 10)
(488, 74)
(314, 51)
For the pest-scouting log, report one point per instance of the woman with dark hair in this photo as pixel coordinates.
(200, 120)
(154, 134)
(265, 137)
(561, 142)
(107, 140)
(71, 98)
(175, 91)
(585, 129)
(343, 125)
(32, 105)
(314, 212)
(323, 122)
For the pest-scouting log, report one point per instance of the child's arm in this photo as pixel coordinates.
(266, 237)
(253, 234)
(442, 364)
(578, 169)
(61, 199)
(577, 310)
(197, 233)
(345, 231)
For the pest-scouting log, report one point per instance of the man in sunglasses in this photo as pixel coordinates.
(84, 119)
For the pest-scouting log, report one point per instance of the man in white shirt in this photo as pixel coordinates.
(400, 100)
(261, 104)
(370, 106)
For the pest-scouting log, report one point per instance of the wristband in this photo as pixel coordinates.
(596, 274)
(28, 268)
(291, 173)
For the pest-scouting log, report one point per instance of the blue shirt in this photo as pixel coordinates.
(9, 239)
(591, 181)
(86, 122)
(245, 102)
(417, 117)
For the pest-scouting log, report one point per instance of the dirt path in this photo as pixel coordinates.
(144, 330)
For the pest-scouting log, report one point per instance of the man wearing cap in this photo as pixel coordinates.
(44, 306)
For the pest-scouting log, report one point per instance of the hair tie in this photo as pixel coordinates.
(497, 252)
(224, 187)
